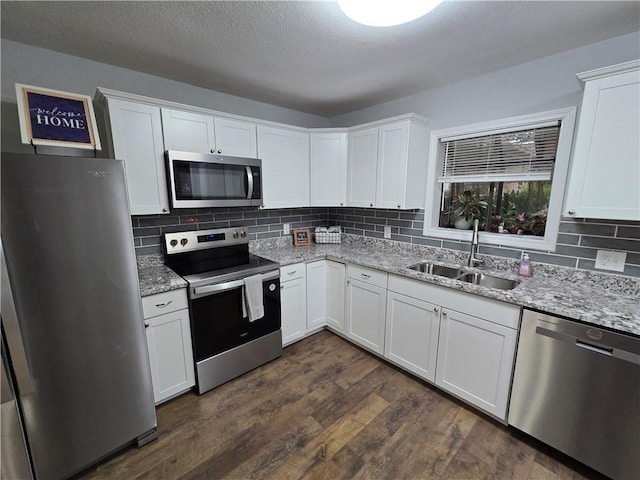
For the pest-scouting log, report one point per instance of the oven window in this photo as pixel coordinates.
(209, 181)
(217, 323)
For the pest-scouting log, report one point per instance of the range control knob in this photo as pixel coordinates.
(235, 234)
(183, 241)
(173, 242)
(243, 234)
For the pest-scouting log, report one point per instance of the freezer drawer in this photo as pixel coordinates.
(577, 388)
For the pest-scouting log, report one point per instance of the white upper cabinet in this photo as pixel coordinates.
(188, 132)
(195, 132)
(136, 138)
(236, 138)
(285, 167)
(605, 170)
(328, 169)
(362, 165)
(387, 165)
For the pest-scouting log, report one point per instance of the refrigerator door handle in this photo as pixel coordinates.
(12, 333)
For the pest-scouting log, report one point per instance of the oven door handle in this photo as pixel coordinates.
(249, 183)
(221, 287)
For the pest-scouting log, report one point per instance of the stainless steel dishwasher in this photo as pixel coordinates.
(577, 388)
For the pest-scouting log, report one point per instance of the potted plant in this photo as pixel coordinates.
(466, 208)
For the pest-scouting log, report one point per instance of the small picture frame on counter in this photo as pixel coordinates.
(301, 237)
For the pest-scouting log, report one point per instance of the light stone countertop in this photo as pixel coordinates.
(601, 299)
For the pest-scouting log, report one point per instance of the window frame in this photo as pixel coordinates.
(567, 118)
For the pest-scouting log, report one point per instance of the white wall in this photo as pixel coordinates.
(45, 68)
(544, 84)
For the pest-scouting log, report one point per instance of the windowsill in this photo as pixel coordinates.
(521, 242)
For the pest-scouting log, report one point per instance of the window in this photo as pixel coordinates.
(509, 174)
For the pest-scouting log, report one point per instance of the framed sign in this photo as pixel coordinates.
(51, 117)
(301, 236)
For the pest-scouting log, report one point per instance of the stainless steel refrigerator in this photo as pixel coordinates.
(74, 347)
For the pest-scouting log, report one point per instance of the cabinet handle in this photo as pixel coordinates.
(435, 309)
(341, 204)
(349, 281)
(164, 210)
(281, 287)
(572, 212)
(444, 313)
(371, 204)
(213, 150)
(162, 305)
(146, 324)
(364, 275)
(291, 273)
(399, 206)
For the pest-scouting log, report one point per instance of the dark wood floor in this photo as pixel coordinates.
(328, 410)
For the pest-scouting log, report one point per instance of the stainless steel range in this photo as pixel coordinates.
(234, 302)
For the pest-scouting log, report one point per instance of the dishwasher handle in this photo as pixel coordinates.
(600, 349)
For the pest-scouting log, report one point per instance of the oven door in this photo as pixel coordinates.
(217, 320)
(203, 180)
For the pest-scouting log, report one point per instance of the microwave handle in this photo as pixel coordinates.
(249, 183)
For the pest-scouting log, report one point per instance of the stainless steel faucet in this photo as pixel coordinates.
(473, 261)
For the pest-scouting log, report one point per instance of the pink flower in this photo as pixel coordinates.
(520, 217)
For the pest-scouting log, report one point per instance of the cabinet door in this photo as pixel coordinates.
(285, 167)
(316, 294)
(328, 169)
(366, 307)
(475, 361)
(362, 166)
(393, 152)
(136, 132)
(189, 132)
(336, 275)
(603, 181)
(293, 301)
(170, 354)
(412, 328)
(236, 138)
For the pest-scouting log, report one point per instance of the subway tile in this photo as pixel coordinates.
(243, 222)
(179, 228)
(291, 219)
(137, 242)
(588, 229)
(610, 243)
(267, 235)
(411, 216)
(353, 231)
(153, 249)
(570, 251)
(416, 224)
(196, 218)
(401, 238)
(276, 226)
(387, 214)
(568, 239)
(411, 231)
(633, 258)
(258, 229)
(146, 232)
(399, 223)
(365, 226)
(157, 240)
(628, 232)
(228, 216)
(552, 259)
(499, 252)
(373, 234)
(376, 220)
(212, 225)
(455, 245)
(158, 221)
(426, 241)
(353, 218)
(267, 220)
(613, 222)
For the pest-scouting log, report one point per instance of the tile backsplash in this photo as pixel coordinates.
(578, 240)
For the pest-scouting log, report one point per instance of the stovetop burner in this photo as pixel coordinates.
(211, 256)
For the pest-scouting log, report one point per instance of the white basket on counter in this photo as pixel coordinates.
(328, 234)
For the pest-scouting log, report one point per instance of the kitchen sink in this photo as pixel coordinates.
(488, 281)
(440, 270)
(476, 278)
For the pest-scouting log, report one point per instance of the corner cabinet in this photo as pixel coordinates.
(336, 277)
(603, 179)
(387, 164)
(135, 132)
(166, 320)
(285, 167)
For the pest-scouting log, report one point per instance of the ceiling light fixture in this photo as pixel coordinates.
(386, 13)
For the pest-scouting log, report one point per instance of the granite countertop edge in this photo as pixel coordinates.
(545, 291)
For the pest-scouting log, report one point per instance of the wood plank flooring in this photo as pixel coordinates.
(329, 410)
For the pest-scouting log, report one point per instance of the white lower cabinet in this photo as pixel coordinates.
(411, 338)
(293, 301)
(366, 307)
(169, 343)
(336, 277)
(475, 360)
(316, 294)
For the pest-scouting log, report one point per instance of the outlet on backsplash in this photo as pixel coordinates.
(609, 260)
(387, 231)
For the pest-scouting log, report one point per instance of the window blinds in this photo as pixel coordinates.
(515, 156)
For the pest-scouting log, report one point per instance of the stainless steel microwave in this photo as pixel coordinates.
(200, 180)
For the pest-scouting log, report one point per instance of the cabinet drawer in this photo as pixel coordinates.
(165, 302)
(291, 272)
(367, 275)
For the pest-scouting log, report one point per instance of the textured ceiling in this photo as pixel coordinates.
(306, 55)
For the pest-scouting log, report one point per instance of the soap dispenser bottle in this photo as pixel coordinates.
(525, 266)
